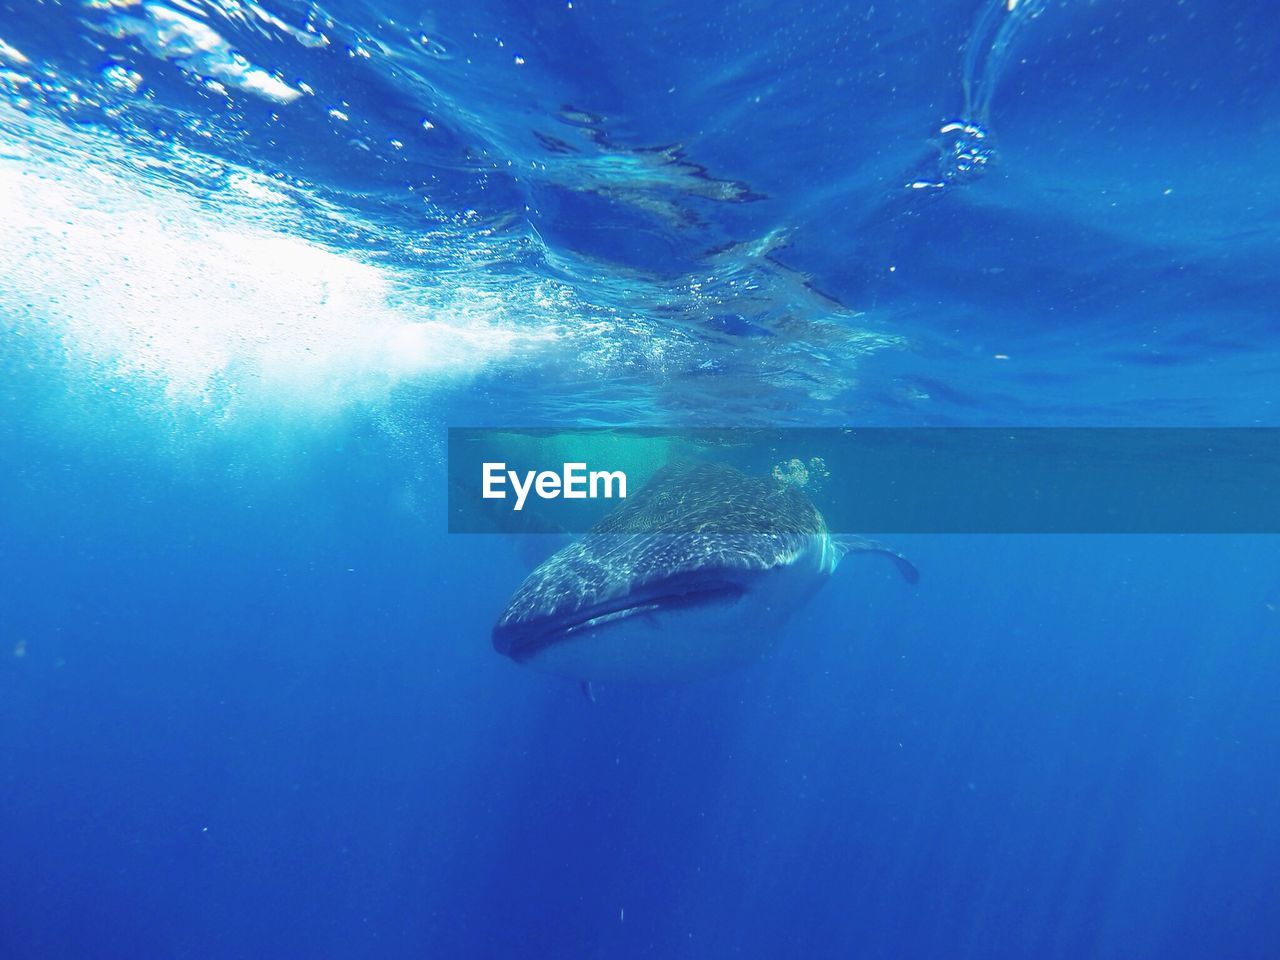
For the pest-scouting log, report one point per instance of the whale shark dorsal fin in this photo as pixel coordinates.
(848, 544)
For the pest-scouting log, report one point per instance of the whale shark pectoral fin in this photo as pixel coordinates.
(846, 545)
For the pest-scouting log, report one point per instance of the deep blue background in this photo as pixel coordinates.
(261, 715)
(248, 705)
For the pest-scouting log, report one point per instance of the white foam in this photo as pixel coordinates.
(218, 298)
(199, 49)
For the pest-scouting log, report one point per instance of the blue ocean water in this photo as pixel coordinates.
(258, 257)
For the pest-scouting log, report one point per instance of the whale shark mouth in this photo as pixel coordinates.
(524, 640)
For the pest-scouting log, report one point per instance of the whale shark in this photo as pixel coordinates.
(695, 574)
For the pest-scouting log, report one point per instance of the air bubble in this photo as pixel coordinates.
(121, 78)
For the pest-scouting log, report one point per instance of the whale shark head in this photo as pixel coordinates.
(696, 573)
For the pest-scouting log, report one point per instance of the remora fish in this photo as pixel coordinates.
(694, 574)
